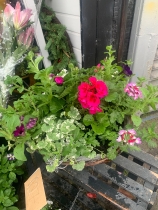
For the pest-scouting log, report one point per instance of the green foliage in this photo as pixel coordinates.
(60, 52)
(8, 171)
(63, 130)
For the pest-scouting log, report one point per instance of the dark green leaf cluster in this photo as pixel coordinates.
(9, 169)
(58, 43)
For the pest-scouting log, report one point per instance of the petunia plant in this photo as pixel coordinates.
(78, 114)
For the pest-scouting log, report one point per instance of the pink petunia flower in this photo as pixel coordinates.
(32, 122)
(133, 91)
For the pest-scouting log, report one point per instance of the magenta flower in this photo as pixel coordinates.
(83, 89)
(133, 91)
(98, 87)
(20, 131)
(89, 94)
(32, 122)
(94, 110)
(59, 80)
(128, 137)
(21, 18)
(26, 37)
(92, 100)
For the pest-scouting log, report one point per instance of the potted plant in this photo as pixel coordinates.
(78, 113)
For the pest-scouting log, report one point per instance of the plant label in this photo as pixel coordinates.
(34, 192)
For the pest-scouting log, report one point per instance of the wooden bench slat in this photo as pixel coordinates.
(136, 169)
(121, 180)
(85, 179)
(146, 157)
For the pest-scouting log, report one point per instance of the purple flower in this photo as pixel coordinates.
(32, 122)
(126, 70)
(133, 90)
(10, 157)
(59, 80)
(20, 131)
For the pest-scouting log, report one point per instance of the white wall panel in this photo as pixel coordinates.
(68, 13)
(75, 39)
(78, 55)
(72, 23)
(65, 6)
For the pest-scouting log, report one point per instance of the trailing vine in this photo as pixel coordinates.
(58, 43)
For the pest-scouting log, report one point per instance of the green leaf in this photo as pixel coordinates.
(12, 175)
(136, 120)
(66, 91)
(144, 91)
(79, 166)
(7, 192)
(51, 168)
(153, 105)
(7, 202)
(5, 135)
(98, 128)
(102, 118)
(88, 119)
(21, 89)
(12, 121)
(49, 43)
(74, 113)
(47, 128)
(111, 97)
(67, 126)
(19, 152)
(56, 105)
(12, 208)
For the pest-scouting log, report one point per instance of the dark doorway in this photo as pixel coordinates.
(105, 22)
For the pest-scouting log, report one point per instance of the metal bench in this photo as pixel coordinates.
(128, 182)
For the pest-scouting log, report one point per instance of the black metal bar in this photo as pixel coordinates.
(123, 30)
(88, 32)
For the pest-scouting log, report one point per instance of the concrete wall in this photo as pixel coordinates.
(154, 73)
(68, 13)
(144, 40)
